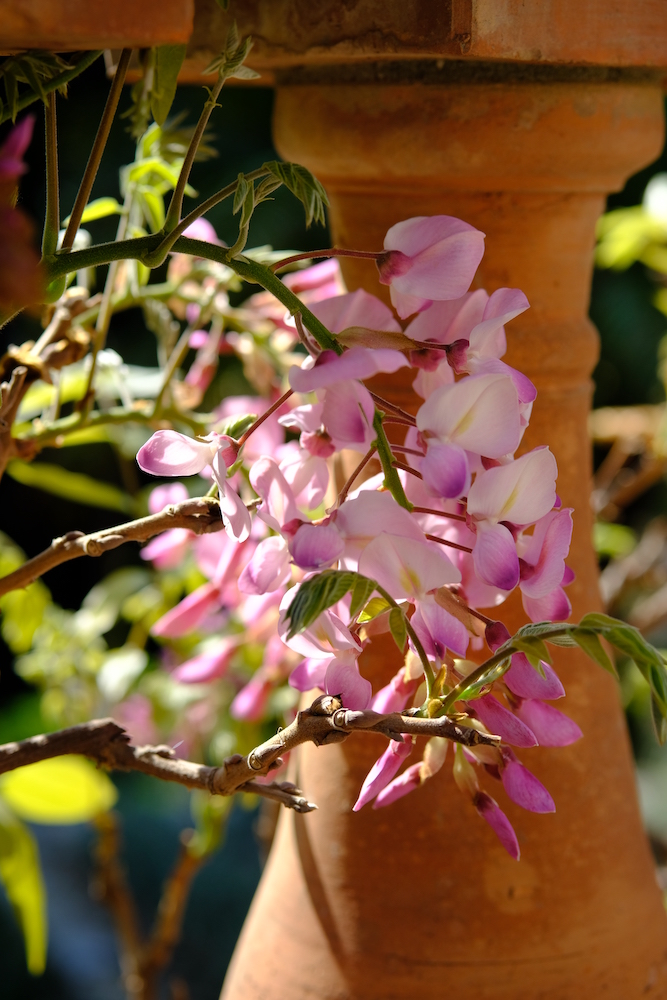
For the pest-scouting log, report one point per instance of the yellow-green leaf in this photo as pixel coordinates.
(100, 208)
(62, 790)
(21, 875)
(168, 62)
(71, 485)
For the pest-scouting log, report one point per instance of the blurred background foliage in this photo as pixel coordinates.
(629, 307)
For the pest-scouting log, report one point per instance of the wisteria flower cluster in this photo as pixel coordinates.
(452, 523)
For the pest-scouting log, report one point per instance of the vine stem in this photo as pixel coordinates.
(421, 652)
(176, 203)
(52, 214)
(391, 477)
(90, 173)
(331, 252)
(504, 653)
(267, 413)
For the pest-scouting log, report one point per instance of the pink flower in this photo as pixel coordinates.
(406, 568)
(13, 148)
(395, 695)
(357, 363)
(168, 550)
(315, 546)
(342, 679)
(382, 771)
(309, 674)
(438, 630)
(250, 703)
(355, 309)
(542, 554)
(490, 811)
(187, 615)
(524, 680)
(429, 258)
(163, 496)
(522, 786)
(268, 568)
(201, 229)
(169, 453)
(552, 728)
(358, 519)
(500, 721)
(209, 665)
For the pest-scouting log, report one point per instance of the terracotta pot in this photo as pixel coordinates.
(419, 900)
(70, 25)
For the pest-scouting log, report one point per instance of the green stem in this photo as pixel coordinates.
(421, 652)
(176, 203)
(48, 86)
(331, 252)
(52, 214)
(391, 477)
(504, 653)
(97, 150)
(159, 255)
(249, 270)
(118, 415)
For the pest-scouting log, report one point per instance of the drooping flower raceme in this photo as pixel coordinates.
(453, 522)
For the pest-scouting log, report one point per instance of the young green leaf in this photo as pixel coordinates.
(168, 62)
(74, 486)
(303, 186)
(316, 595)
(534, 647)
(591, 645)
(398, 628)
(240, 193)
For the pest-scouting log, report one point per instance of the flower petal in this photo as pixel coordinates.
(169, 453)
(494, 556)
(501, 722)
(355, 309)
(523, 787)
(316, 545)
(382, 771)
(521, 491)
(343, 678)
(480, 413)
(490, 811)
(445, 470)
(187, 615)
(553, 607)
(405, 567)
(405, 783)
(524, 680)
(268, 569)
(552, 728)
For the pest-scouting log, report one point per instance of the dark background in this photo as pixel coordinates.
(82, 961)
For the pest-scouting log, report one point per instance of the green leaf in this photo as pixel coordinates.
(534, 647)
(75, 486)
(248, 206)
(100, 208)
(316, 595)
(398, 628)
(303, 186)
(374, 608)
(361, 591)
(544, 629)
(659, 721)
(21, 875)
(168, 62)
(591, 645)
(62, 790)
(237, 426)
(469, 691)
(22, 610)
(240, 193)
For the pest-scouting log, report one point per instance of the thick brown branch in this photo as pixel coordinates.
(200, 515)
(326, 721)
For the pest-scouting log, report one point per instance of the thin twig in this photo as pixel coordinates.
(407, 468)
(326, 721)
(311, 347)
(444, 541)
(52, 213)
(438, 513)
(200, 515)
(264, 416)
(331, 252)
(361, 466)
(384, 404)
(97, 150)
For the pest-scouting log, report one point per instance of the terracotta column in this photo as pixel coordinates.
(419, 900)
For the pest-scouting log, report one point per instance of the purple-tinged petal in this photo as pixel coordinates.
(546, 572)
(268, 482)
(168, 549)
(268, 569)
(438, 630)
(357, 363)
(201, 229)
(405, 567)
(525, 389)
(480, 413)
(251, 700)
(521, 491)
(316, 545)
(496, 635)
(163, 496)
(407, 305)
(235, 515)
(347, 414)
(501, 722)
(343, 679)
(525, 681)
(553, 607)
(208, 666)
(382, 772)
(309, 674)
(405, 783)
(489, 810)
(445, 470)
(523, 787)
(445, 322)
(355, 309)
(395, 695)
(443, 254)
(552, 728)
(169, 453)
(494, 556)
(187, 615)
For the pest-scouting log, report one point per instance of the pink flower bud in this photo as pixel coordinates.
(490, 811)
(382, 771)
(523, 787)
(405, 783)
